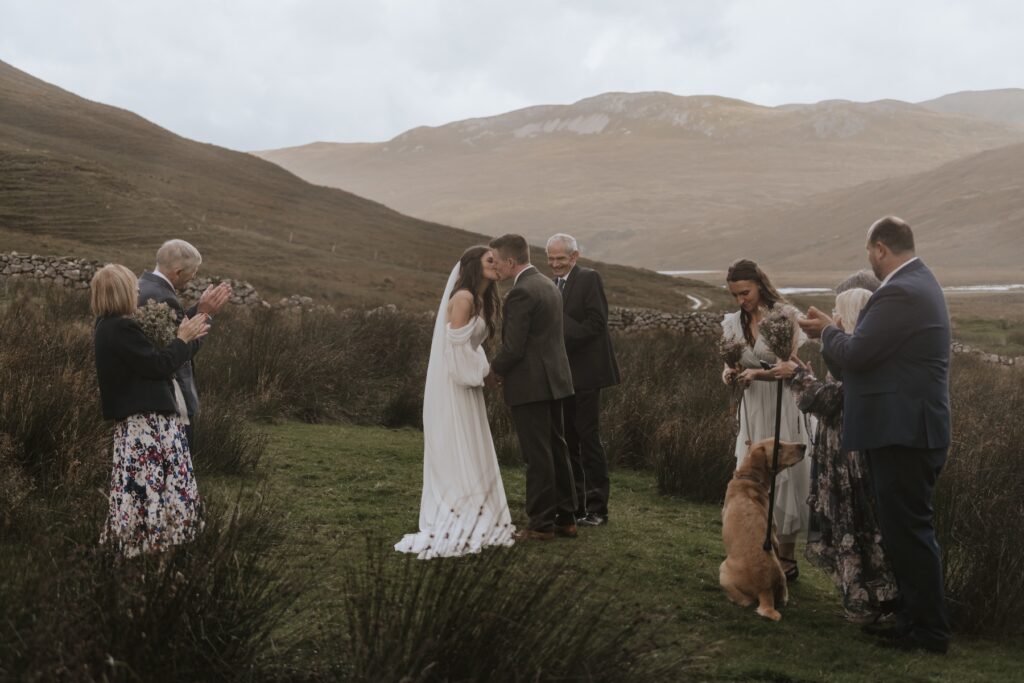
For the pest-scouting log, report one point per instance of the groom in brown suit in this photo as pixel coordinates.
(534, 370)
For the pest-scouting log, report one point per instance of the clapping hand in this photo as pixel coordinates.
(193, 328)
(213, 298)
(814, 323)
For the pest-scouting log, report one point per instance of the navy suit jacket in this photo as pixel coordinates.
(895, 365)
(152, 286)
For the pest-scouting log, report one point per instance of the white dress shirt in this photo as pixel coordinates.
(901, 267)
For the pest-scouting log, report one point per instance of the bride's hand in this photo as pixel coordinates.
(729, 376)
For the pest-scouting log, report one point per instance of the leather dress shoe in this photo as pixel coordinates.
(566, 530)
(592, 519)
(533, 535)
(908, 643)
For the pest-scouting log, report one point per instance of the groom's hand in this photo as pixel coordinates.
(493, 381)
(814, 323)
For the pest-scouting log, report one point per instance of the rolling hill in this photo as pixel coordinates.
(1006, 106)
(641, 176)
(967, 215)
(82, 178)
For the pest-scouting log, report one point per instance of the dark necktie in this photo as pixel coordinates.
(561, 284)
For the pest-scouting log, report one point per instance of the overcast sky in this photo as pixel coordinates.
(259, 74)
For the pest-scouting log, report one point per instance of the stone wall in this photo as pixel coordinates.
(76, 273)
(697, 323)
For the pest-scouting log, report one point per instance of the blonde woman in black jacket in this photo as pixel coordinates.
(154, 502)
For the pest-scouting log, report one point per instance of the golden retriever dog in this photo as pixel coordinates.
(750, 573)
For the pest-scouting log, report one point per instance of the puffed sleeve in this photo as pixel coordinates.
(732, 328)
(467, 365)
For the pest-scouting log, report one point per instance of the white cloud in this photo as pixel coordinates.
(269, 73)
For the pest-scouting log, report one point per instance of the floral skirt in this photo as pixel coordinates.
(154, 503)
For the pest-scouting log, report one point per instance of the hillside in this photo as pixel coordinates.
(968, 219)
(1006, 106)
(86, 179)
(630, 172)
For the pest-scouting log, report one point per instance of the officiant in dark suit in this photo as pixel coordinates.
(533, 369)
(895, 372)
(592, 360)
(177, 263)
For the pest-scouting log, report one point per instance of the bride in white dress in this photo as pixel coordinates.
(463, 507)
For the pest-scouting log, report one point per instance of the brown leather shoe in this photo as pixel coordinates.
(566, 531)
(531, 535)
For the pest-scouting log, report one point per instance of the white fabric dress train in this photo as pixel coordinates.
(757, 421)
(463, 508)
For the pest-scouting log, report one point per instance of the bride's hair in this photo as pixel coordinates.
(471, 274)
(745, 269)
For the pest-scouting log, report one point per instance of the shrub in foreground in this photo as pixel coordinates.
(497, 616)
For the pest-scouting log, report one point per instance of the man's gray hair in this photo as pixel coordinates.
(174, 254)
(567, 241)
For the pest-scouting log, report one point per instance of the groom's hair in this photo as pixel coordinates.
(894, 233)
(513, 247)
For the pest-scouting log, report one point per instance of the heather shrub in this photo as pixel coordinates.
(364, 367)
(204, 611)
(497, 616)
(224, 441)
(979, 500)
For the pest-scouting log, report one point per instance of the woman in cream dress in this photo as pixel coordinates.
(756, 296)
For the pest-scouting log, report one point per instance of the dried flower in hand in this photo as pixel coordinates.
(778, 329)
(730, 351)
(158, 322)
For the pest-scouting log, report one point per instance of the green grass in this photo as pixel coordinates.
(658, 559)
(1002, 336)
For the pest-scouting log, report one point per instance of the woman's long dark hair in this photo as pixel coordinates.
(745, 269)
(471, 274)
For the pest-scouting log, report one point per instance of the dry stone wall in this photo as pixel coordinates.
(76, 273)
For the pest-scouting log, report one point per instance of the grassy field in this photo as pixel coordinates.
(657, 561)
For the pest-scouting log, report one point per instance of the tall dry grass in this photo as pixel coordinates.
(979, 499)
(497, 616)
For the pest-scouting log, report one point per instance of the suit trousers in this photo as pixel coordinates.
(550, 496)
(904, 480)
(586, 452)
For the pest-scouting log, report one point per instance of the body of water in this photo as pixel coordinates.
(826, 290)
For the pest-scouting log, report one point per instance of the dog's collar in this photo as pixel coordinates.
(748, 477)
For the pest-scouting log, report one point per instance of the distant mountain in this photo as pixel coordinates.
(629, 172)
(1006, 106)
(86, 179)
(967, 216)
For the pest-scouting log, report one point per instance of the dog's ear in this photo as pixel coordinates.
(759, 457)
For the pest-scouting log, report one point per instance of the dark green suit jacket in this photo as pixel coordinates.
(532, 358)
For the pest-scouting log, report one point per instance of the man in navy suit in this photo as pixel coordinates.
(895, 372)
(177, 262)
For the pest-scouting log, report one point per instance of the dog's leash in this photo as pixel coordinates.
(775, 466)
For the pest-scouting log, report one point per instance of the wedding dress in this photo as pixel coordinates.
(757, 422)
(463, 507)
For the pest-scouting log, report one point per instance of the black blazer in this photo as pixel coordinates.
(152, 286)
(532, 357)
(895, 365)
(135, 376)
(585, 311)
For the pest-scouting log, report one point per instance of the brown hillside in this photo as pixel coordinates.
(626, 171)
(1006, 106)
(967, 215)
(78, 177)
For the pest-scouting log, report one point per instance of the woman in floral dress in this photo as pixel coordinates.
(844, 539)
(153, 503)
